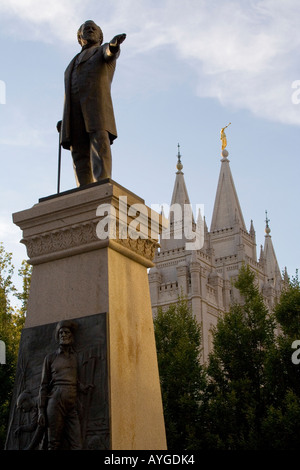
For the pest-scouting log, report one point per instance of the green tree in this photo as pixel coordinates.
(282, 422)
(287, 311)
(237, 394)
(25, 273)
(11, 323)
(178, 342)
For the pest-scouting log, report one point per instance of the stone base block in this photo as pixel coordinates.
(79, 272)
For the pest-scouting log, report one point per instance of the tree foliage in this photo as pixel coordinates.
(178, 342)
(11, 323)
(247, 396)
(282, 423)
(238, 391)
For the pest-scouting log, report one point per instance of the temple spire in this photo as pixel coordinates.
(180, 194)
(252, 231)
(271, 266)
(181, 210)
(227, 210)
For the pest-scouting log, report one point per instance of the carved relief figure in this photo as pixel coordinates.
(27, 403)
(49, 398)
(58, 399)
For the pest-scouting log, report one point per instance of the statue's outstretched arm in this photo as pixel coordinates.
(114, 44)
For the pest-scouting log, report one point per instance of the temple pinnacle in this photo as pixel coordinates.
(267, 229)
(179, 165)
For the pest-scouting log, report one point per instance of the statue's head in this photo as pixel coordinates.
(25, 401)
(65, 331)
(89, 33)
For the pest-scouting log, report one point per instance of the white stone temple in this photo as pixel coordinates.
(205, 275)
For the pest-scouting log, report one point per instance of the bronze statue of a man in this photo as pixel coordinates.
(88, 125)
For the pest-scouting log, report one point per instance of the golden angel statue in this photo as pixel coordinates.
(223, 137)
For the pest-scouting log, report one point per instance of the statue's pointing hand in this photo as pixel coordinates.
(117, 40)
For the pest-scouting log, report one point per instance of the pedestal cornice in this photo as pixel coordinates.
(66, 224)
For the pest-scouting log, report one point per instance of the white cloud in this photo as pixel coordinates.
(46, 20)
(247, 57)
(245, 54)
(8, 230)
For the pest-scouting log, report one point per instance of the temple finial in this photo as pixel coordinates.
(179, 165)
(267, 229)
(223, 138)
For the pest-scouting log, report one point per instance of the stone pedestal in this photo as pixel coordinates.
(90, 249)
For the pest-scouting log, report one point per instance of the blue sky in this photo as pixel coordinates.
(187, 69)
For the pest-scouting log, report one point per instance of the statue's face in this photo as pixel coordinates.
(90, 33)
(65, 336)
